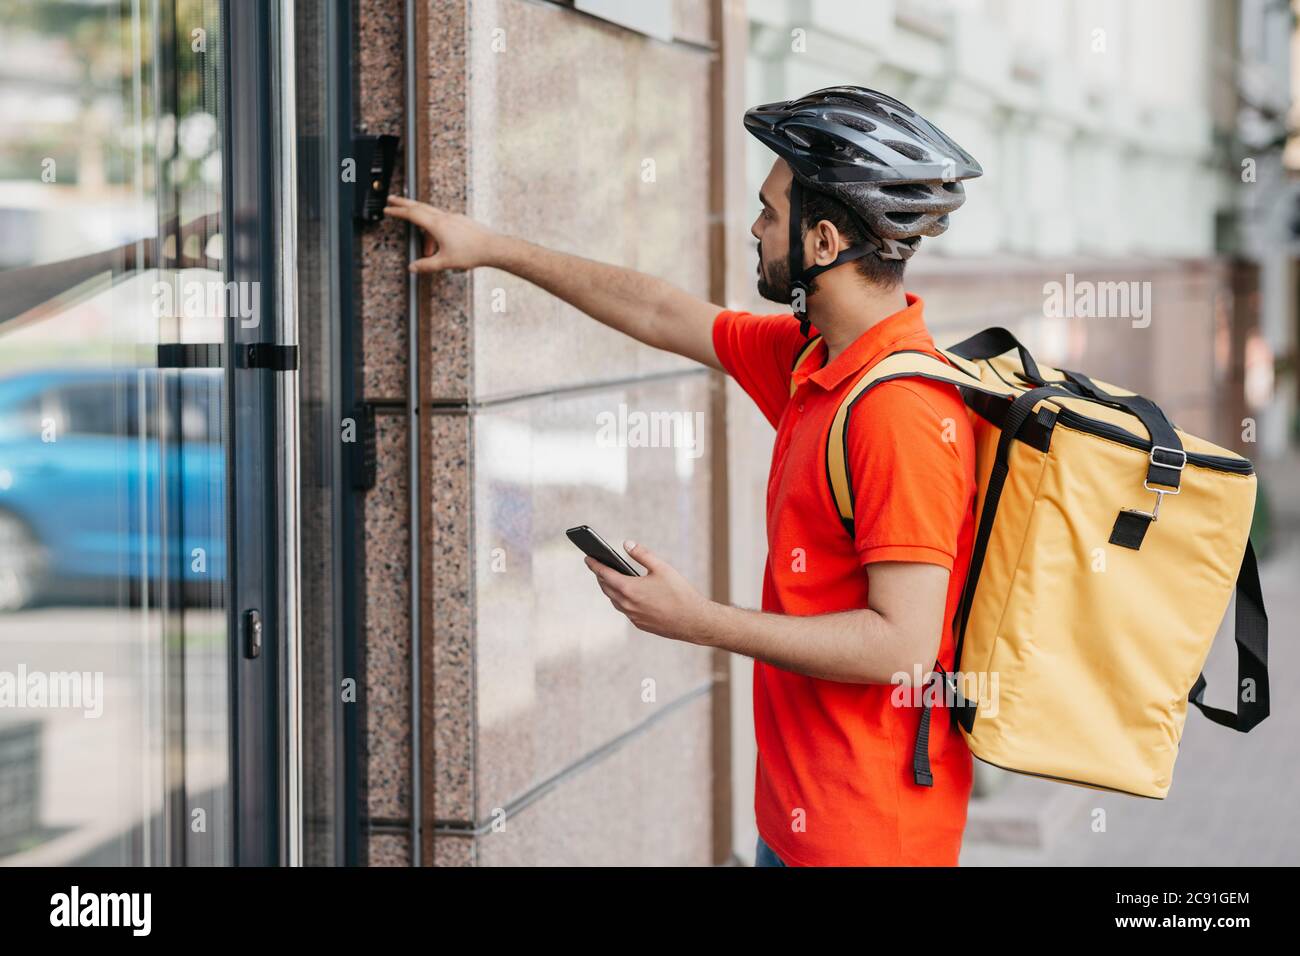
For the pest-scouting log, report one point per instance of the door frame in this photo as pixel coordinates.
(262, 462)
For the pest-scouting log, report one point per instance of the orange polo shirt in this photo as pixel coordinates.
(834, 783)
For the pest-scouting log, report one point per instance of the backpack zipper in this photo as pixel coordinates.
(1082, 423)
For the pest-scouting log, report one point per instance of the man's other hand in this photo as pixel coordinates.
(660, 602)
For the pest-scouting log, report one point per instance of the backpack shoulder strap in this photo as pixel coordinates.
(971, 368)
(952, 368)
(1252, 654)
(801, 356)
(903, 364)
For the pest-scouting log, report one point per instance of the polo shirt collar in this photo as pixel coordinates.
(873, 344)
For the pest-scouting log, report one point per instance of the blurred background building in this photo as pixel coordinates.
(1121, 142)
(304, 516)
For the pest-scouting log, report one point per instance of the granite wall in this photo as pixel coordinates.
(553, 731)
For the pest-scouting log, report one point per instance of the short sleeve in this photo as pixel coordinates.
(912, 465)
(758, 351)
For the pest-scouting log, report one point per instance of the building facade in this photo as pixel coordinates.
(282, 527)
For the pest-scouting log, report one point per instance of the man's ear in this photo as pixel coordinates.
(825, 243)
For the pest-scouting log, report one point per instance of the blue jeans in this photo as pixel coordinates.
(765, 856)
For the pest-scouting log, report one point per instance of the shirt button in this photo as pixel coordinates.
(801, 406)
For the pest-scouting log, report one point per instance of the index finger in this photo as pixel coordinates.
(604, 573)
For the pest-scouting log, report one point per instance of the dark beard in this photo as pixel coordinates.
(774, 281)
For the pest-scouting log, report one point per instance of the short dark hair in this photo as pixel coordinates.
(817, 205)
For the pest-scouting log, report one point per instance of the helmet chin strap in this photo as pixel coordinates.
(801, 278)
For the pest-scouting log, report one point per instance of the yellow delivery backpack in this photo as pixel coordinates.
(1108, 547)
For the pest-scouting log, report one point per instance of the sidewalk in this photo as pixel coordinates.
(1233, 798)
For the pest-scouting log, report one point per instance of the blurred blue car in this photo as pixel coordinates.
(89, 494)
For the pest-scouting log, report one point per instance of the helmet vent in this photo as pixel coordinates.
(856, 102)
(908, 126)
(906, 190)
(857, 157)
(907, 149)
(854, 122)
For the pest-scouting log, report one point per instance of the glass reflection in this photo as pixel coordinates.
(114, 725)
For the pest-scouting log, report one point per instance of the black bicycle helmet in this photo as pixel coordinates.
(896, 172)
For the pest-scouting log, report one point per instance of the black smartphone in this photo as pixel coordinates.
(594, 546)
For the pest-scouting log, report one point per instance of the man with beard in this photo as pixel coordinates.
(849, 771)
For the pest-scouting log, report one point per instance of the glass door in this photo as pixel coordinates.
(132, 728)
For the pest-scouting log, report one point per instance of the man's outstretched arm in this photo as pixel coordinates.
(649, 309)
